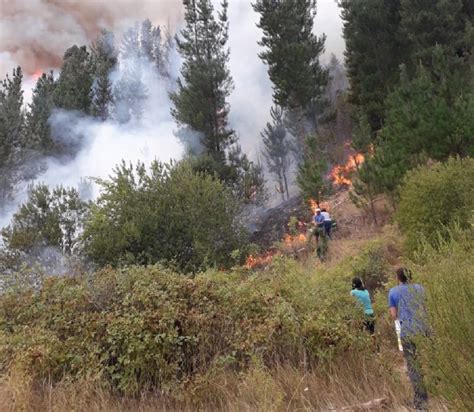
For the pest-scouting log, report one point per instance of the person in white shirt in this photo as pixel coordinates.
(327, 222)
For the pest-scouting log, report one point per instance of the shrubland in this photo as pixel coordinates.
(446, 271)
(434, 199)
(152, 332)
(169, 213)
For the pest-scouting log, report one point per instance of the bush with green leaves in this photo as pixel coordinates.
(169, 213)
(434, 198)
(48, 218)
(140, 328)
(446, 272)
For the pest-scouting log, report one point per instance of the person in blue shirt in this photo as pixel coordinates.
(318, 221)
(362, 295)
(318, 218)
(406, 303)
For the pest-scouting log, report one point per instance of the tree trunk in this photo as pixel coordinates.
(286, 186)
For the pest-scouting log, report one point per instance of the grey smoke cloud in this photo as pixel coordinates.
(35, 33)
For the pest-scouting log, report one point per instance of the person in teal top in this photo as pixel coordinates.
(362, 295)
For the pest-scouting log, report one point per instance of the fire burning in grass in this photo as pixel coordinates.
(291, 244)
(341, 174)
(261, 260)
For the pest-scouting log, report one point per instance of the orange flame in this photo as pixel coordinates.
(259, 261)
(341, 174)
(294, 241)
(37, 74)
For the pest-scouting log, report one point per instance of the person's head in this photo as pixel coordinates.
(318, 211)
(403, 274)
(357, 284)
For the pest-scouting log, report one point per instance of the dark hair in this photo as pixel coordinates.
(357, 284)
(323, 209)
(403, 274)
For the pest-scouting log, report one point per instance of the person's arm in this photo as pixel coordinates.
(392, 304)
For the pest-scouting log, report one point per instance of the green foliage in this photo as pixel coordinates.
(434, 198)
(371, 265)
(311, 171)
(73, 88)
(103, 59)
(447, 277)
(169, 213)
(12, 124)
(427, 24)
(374, 50)
(140, 328)
(292, 51)
(200, 100)
(49, 218)
(38, 130)
(431, 113)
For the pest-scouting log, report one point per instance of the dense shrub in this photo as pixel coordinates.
(168, 214)
(140, 328)
(434, 198)
(448, 277)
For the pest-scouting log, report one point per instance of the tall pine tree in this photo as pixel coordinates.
(103, 58)
(292, 51)
(73, 89)
(38, 130)
(12, 123)
(277, 150)
(129, 91)
(434, 23)
(374, 50)
(200, 99)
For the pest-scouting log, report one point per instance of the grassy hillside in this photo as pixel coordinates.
(288, 335)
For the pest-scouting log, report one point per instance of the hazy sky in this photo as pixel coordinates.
(35, 33)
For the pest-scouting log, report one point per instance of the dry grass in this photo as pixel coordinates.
(349, 381)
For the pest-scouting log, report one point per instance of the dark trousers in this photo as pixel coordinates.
(327, 228)
(414, 373)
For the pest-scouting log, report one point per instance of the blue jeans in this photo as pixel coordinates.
(327, 228)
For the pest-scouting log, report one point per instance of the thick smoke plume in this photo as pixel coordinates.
(35, 33)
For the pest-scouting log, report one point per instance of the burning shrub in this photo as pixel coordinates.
(434, 198)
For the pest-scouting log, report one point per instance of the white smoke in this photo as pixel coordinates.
(55, 25)
(105, 144)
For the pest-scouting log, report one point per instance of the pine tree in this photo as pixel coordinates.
(12, 124)
(292, 51)
(374, 50)
(73, 89)
(104, 59)
(434, 23)
(277, 150)
(310, 176)
(38, 131)
(154, 48)
(366, 182)
(129, 91)
(200, 100)
(292, 54)
(130, 47)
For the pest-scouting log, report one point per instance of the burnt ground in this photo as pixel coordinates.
(353, 224)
